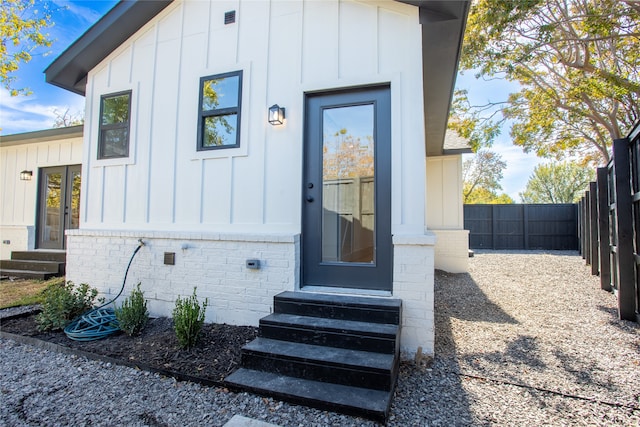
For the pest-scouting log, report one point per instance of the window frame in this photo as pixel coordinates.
(203, 114)
(123, 125)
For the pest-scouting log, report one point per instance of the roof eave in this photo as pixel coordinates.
(443, 26)
(41, 136)
(69, 70)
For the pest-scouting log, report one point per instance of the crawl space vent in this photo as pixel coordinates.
(229, 17)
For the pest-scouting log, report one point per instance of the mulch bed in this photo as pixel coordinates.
(215, 356)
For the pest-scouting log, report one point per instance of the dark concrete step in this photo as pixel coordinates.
(26, 274)
(318, 363)
(350, 334)
(333, 397)
(345, 307)
(40, 255)
(31, 265)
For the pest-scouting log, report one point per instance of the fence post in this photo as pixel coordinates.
(525, 225)
(624, 227)
(593, 228)
(587, 228)
(603, 229)
(494, 226)
(583, 221)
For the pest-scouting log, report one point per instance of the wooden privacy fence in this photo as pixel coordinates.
(522, 226)
(609, 228)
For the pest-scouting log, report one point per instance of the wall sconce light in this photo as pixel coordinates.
(26, 175)
(276, 115)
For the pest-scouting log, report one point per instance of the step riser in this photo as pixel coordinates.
(362, 314)
(318, 372)
(44, 266)
(329, 338)
(367, 403)
(39, 256)
(27, 274)
(344, 407)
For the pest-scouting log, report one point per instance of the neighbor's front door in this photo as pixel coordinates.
(346, 238)
(59, 205)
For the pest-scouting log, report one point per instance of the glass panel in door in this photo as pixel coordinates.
(348, 173)
(73, 211)
(52, 216)
(59, 201)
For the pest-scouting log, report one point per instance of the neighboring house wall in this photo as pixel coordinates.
(18, 199)
(216, 209)
(445, 213)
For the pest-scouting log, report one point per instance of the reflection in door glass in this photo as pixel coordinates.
(348, 216)
(51, 232)
(75, 200)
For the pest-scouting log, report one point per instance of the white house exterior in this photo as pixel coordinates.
(204, 210)
(49, 161)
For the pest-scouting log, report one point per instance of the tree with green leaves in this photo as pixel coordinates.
(22, 27)
(578, 66)
(557, 183)
(481, 175)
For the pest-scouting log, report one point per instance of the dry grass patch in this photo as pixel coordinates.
(19, 292)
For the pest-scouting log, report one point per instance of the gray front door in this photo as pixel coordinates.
(346, 235)
(59, 205)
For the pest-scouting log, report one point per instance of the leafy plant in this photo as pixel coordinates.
(188, 317)
(133, 315)
(63, 302)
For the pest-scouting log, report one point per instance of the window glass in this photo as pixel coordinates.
(219, 120)
(115, 110)
(220, 93)
(220, 130)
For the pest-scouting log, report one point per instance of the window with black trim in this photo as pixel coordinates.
(219, 116)
(115, 113)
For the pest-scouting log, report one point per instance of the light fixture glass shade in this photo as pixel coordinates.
(276, 115)
(26, 175)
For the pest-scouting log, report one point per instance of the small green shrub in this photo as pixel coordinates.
(63, 302)
(133, 315)
(188, 318)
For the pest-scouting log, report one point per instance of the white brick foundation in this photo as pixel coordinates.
(413, 276)
(216, 264)
(452, 250)
(16, 238)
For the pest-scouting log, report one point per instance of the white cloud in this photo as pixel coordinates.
(20, 114)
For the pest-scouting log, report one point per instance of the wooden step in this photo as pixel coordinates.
(319, 363)
(350, 334)
(31, 265)
(27, 274)
(345, 399)
(40, 255)
(345, 307)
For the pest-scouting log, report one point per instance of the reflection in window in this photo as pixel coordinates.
(348, 174)
(219, 118)
(113, 139)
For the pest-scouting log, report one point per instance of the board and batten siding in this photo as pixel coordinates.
(284, 48)
(445, 214)
(216, 209)
(18, 199)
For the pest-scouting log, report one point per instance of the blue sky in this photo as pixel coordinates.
(37, 111)
(72, 18)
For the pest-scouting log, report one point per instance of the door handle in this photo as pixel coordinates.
(310, 199)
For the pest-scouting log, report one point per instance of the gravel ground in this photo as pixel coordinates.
(525, 339)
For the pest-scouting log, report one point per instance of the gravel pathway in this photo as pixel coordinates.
(525, 339)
